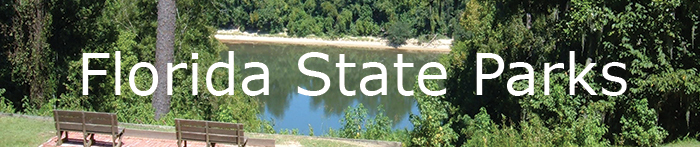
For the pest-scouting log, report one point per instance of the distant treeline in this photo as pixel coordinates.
(336, 18)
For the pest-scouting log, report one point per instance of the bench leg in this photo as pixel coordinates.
(180, 143)
(116, 141)
(65, 139)
(86, 140)
(60, 140)
(119, 143)
(92, 139)
(89, 139)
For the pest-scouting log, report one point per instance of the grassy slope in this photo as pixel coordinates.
(683, 143)
(17, 131)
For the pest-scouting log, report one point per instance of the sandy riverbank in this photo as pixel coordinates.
(235, 36)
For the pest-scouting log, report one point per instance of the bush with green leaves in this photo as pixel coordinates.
(5, 105)
(353, 122)
(357, 124)
(398, 33)
(433, 126)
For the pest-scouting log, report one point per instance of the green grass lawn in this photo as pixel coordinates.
(19, 131)
(687, 142)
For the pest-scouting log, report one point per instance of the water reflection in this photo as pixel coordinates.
(289, 109)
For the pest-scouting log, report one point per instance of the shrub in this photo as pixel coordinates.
(432, 126)
(639, 125)
(398, 33)
(353, 122)
(357, 125)
(5, 105)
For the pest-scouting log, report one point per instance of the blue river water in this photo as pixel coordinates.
(288, 109)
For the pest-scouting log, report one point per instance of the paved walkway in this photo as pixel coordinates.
(75, 139)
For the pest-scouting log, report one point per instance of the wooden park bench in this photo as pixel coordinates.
(90, 123)
(209, 132)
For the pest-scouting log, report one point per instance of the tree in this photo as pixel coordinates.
(398, 33)
(29, 54)
(165, 44)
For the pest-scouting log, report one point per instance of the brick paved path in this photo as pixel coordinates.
(75, 139)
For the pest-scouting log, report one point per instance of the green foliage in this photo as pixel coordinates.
(284, 131)
(398, 33)
(432, 127)
(26, 53)
(238, 110)
(268, 127)
(289, 132)
(339, 17)
(301, 24)
(47, 60)
(295, 131)
(357, 125)
(311, 130)
(654, 39)
(379, 127)
(353, 121)
(5, 105)
(638, 126)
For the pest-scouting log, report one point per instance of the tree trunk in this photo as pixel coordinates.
(165, 43)
(30, 55)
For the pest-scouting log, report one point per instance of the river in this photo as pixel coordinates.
(288, 109)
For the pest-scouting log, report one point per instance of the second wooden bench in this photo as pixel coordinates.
(209, 132)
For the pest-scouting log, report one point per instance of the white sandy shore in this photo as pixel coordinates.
(235, 36)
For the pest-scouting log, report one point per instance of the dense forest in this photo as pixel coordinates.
(43, 44)
(42, 41)
(335, 18)
(656, 40)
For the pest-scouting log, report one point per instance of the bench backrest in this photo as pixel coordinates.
(209, 131)
(88, 122)
(68, 120)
